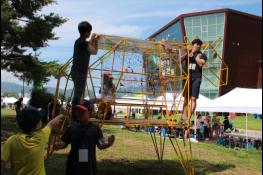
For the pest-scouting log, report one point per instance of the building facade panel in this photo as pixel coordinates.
(171, 33)
(208, 28)
(243, 49)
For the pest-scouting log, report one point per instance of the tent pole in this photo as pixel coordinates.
(195, 125)
(246, 133)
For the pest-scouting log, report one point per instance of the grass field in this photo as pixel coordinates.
(133, 154)
(252, 124)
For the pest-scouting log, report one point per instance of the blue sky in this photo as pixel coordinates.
(129, 18)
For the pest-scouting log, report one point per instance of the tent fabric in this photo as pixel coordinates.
(9, 100)
(241, 100)
(202, 101)
(25, 100)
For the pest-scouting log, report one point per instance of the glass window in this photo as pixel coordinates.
(197, 21)
(204, 20)
(220, 19)
(188, 22)
(204, 28)
(211, 38)
(220, 30)
(212, 30)
(197, 32)
(204, 36)
(211, 19)
(208, 28)
(173, 32)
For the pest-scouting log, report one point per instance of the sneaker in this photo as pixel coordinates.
(207, 139)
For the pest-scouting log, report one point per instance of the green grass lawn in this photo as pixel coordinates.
(8, 112)
(133, 154)
(240, 122)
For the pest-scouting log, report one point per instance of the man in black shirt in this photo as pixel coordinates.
(18, 106)
(83, 137)
(81, 57)
(196, 61)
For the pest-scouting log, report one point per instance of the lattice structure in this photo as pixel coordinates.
(138, 73)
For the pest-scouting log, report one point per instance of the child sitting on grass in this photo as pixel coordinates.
(83, 137)
(26, 150)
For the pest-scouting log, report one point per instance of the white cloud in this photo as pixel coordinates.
(120, 30)
(136, 18)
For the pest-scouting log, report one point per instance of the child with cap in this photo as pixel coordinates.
(83, 137)
(25, 150)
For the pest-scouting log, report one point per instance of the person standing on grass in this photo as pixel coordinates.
(81, 57)
(18, 105)
(25, 150)
(83, 136)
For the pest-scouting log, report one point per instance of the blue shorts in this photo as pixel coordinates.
(195, 84)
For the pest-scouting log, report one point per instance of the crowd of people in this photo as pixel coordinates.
(206, 128)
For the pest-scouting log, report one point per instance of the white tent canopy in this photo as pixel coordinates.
(25, 100)
(9, 100)
(240, 100)
(202, 102)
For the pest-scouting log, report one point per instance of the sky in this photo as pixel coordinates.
(128, 18)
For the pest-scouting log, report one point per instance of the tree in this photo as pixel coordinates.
(23, 32)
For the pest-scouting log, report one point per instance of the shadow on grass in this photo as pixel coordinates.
(56, 165)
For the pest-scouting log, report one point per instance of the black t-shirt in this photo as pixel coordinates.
(18, 104)
(195, 70)
(82, 137)
(226, 124)
(81, 57)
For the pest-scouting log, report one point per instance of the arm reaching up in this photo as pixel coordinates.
(52, 124)
(93, 44)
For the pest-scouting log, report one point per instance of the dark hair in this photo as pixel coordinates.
(28, 119)
(198, 41)
(84, 26)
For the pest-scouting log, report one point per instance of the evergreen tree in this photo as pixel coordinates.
(23, 31)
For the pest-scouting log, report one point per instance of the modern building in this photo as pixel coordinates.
(240, 49)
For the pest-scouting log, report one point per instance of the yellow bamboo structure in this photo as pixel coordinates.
(142, 72)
